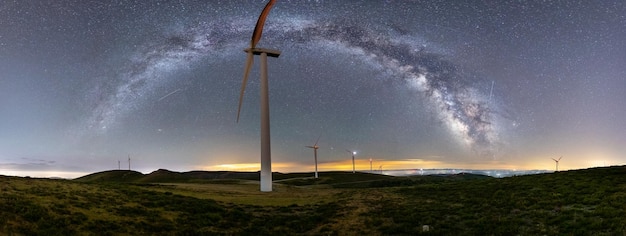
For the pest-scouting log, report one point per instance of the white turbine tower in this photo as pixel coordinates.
(353, 153)
(315, 147)
(557, 163)
(266, 159)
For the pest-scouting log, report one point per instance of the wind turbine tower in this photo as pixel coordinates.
(266, 160)
(315, 147)
(128, 162)
(557, 163)
(353, 153)
(371, 165)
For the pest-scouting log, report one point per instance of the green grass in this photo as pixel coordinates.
(247, 193)
(581, 202)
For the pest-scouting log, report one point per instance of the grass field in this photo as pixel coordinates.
(581, 202)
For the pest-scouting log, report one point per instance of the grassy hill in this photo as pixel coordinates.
(164, 176)
(120, 176)
(578, 202)
(167, 176)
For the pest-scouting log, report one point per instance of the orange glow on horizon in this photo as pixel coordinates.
(571, 161)
(344, 165)
(276, 167)
(364, 165)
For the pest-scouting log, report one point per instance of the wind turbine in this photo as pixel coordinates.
(353, 153)
(557, 162)
(129, 162)
(266, 159)
(315, 147)
(371, 165)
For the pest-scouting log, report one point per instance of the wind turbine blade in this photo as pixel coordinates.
(246, 72)
(318, 139)
(258, 29)
(560, 158)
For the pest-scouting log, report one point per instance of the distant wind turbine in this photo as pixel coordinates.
(371, 165)
(129, 162)
(119, 167)
(266, 159)
(315, 147)
(353, 153)
(557, 162)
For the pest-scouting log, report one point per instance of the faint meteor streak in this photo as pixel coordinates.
(491, 91)
(169, 94)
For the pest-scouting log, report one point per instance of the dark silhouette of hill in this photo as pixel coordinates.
(336, 179)
(459, 176)
(122, 176)
(167, 176)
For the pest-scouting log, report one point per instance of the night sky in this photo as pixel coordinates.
(410, 84)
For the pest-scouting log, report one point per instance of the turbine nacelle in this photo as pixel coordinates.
(315, 145)
(353, 166)
(557, 162)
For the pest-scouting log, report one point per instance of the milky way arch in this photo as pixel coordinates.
(461, 107)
